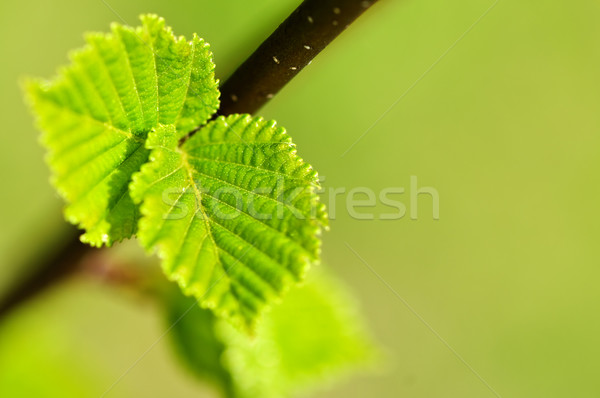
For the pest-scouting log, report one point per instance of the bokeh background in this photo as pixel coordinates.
(506, 126)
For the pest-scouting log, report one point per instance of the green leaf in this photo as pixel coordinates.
(312, 338)
(96, 116)
(233, 213)
(194, 339)
(315, 336)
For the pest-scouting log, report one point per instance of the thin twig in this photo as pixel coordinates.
(59, 263)
(293, 45)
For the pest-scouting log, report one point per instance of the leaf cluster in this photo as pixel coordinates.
(227, 204)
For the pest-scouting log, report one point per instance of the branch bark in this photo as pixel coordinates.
(59, 263)
(292, 46)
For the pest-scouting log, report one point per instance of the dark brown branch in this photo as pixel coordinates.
(293, 45)
(60, 262)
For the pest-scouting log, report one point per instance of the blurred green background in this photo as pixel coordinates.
(506, 127)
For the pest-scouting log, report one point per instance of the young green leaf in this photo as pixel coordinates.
(233, 213)
(97, 114)
(316, 335)
(195, 342)
(311, 338)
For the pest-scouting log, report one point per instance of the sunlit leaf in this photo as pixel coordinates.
(233, 213)
(97, 114)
